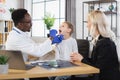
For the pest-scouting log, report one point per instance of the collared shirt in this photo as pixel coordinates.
(93, 43)
(95, 40)
(19, 40)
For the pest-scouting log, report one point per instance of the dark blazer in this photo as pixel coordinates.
(104, 56)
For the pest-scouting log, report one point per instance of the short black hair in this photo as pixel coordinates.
(18, 15)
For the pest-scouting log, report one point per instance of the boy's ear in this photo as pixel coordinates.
(69, 30)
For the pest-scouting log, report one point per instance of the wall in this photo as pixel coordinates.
(118, 9)
(5, 6)
(27, 5)
(14, 3)
(79, 17)
(10, 4)
(79, 23)
(118, 38)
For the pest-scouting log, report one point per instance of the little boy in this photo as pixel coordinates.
(66, 47)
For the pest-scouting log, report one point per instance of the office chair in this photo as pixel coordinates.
(83, 47)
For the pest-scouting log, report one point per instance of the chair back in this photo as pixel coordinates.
(83, 47)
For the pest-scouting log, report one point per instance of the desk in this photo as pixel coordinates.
(42, 72)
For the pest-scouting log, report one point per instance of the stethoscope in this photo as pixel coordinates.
(16, 30)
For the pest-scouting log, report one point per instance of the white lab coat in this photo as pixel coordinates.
(19, 40)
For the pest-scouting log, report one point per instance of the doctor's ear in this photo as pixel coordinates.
(20, 26)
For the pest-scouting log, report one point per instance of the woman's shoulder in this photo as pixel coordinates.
(105, 41)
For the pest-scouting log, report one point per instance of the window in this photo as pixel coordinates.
(40, 8)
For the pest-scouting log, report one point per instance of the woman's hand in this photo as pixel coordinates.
(76, 57)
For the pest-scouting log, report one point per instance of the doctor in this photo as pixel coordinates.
(19, 40)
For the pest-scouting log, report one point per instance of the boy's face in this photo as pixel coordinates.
(64, 29)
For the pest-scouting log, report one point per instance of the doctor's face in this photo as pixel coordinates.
(26, 23)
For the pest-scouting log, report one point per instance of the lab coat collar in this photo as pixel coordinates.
(19, 31)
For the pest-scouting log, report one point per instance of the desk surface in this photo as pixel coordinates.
(42, 72)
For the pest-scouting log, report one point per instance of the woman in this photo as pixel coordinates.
(104, 55)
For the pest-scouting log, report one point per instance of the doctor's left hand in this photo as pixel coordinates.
(53, 33)
(57, 39)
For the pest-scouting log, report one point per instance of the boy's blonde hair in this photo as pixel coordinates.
(99, 22)
(69, 26)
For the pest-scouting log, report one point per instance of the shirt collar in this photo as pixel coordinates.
(17, 30)
(95, 40)
(97, 37)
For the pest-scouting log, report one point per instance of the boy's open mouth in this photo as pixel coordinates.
(60, 31)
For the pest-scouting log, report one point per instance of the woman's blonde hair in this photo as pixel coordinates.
(99, 22)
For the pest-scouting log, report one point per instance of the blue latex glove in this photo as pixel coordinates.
(57, 39)
(53, 33)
